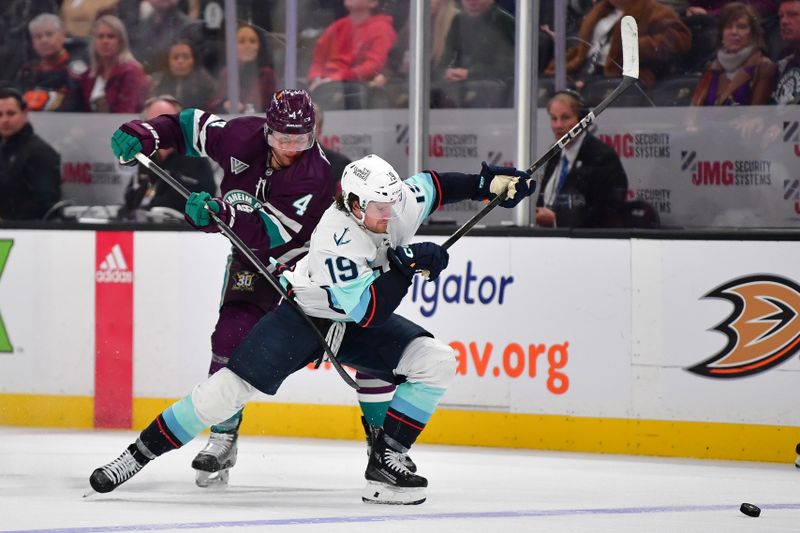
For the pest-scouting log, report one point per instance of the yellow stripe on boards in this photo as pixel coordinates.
(704, 440)
(40, 410)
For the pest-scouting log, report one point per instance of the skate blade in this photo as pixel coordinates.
(91, 493)
(381, 493)
(209, 480)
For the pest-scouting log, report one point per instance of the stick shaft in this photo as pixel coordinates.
(248, 253)
(576, 130)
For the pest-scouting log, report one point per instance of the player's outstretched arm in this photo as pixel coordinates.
(192, 132)
(437, 189)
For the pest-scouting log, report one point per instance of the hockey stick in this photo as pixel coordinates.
(630, 73)
(335, 334)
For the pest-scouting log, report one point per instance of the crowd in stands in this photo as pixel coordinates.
(113, 56)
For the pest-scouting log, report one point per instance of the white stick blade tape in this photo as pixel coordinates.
(630, 47)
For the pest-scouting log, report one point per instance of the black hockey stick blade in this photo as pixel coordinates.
(630, 73)
(228, 232)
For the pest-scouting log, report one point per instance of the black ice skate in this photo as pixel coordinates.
(214, 462)
(389, 481)
(797, 461)
(370, 431)
(109, 477)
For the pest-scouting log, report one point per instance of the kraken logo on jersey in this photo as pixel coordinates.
(242, 201)
(763, 330)
(339, 239)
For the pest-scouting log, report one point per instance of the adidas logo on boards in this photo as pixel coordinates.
(114, 268)
(238, 166)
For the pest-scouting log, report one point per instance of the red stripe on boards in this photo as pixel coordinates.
(113, 330)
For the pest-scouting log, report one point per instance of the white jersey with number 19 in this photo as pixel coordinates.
(334, 280)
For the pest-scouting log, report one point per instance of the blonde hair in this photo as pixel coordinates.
(441, 26)
(124, 55)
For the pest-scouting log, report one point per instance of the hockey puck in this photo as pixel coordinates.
(750, 510)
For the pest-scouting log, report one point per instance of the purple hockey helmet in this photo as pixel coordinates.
(290, 120)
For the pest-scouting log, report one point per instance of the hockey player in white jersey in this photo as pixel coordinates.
(358, 270)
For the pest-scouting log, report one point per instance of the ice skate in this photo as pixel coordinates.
(213, 463)
(109, 477)
(370, 431)
(797, 461)
(389, 481)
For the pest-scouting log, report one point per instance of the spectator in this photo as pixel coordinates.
(700, 13)
(477, 67)
(185, 77)
(115, 81)
(30, 169)
(392, 83)
(318, 15)
(663, 38)
(586, 186)
(146, 190)
(14, 18)
(337, 159)
(256, 77)
(787, 90)
(152, 36)
(741, 74)
(79, 15)
(350, 53)
(575, 11)
(50, 82)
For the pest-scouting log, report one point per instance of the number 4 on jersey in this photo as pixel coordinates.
(301, 204)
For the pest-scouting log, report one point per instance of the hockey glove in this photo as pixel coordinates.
(517, 184)
(418, 257)
(280, 270)
(197, 210)
(132, 138)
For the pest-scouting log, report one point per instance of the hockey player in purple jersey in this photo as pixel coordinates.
(360, 266)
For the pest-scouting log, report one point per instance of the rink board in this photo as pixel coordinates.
(569, 344)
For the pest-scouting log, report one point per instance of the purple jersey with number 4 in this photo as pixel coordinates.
(275, 212)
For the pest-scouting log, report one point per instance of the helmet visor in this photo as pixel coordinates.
(291, 142)
(382, 210)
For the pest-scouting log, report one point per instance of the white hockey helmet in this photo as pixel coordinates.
(371, 179)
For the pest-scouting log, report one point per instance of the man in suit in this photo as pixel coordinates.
(585, 186)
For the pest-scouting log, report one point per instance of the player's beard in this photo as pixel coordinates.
(284, 158)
